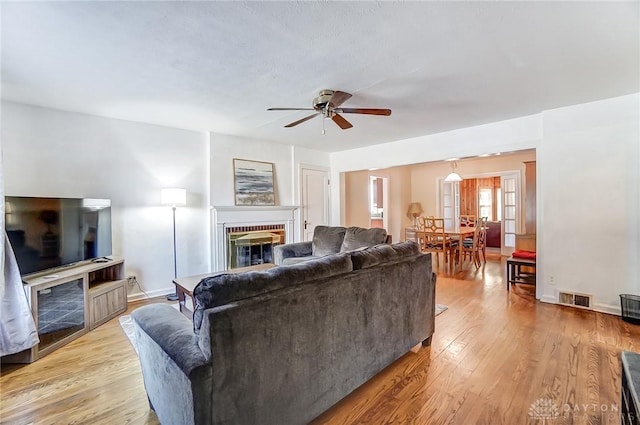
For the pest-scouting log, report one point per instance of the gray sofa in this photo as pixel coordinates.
(329, 240)
(281, 346)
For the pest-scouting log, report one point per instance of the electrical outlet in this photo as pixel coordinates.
(131, 280)
(552, 280)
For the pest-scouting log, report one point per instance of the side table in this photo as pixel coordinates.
(186, 285)
(515, 273)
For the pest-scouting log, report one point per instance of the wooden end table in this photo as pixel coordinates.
(186, 285)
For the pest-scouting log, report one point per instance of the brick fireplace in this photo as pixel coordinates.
(244, 236)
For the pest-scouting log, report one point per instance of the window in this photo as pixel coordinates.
(485, 204)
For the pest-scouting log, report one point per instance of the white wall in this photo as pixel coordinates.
(62, 154)
(589, 183)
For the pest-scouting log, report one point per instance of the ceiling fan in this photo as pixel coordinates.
(328, 104)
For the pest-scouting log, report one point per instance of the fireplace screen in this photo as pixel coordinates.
(252, 245)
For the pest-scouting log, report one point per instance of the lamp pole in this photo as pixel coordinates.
(174, 197)
(174, 296)
(175, 260)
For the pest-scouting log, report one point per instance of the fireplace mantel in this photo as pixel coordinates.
(255, 207)
(224, 216)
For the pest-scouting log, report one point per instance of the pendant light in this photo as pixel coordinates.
(453, 176)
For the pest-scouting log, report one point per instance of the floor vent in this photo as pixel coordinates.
(575, 299)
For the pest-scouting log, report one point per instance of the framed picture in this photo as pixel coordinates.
(253, 181)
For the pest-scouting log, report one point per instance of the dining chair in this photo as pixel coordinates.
(435, 239)
(482, 237)
(467, 220)
(471, 246)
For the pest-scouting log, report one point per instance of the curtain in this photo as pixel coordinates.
(17, 329)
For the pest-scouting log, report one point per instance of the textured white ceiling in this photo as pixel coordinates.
(217, 66)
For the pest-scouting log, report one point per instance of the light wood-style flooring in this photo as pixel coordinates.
(494, 354)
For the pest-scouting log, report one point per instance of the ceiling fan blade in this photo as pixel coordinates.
(293, 124)
(342, 123)
(290, 109)
(338, 98)
(367, 111)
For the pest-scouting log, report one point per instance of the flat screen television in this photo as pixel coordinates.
(47, 233)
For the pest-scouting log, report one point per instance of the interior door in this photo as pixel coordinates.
(510, 184)
(315, 200)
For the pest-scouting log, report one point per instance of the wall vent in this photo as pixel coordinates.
(575, 299)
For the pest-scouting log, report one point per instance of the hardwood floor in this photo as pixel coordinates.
(493, 355)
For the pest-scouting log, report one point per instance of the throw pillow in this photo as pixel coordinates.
(357, 237)
(327, 240)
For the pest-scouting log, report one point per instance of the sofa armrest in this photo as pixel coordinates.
(177, 375)
(289, 250)
(172, 332)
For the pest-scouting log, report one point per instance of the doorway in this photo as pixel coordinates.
(378, 201)
(493, 195)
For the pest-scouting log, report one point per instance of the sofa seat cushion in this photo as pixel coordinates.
(327, 240)
(383, 254)
(228, 287)
(357, 237)
(296, 260)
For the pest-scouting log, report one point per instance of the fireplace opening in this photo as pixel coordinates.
(253, 245)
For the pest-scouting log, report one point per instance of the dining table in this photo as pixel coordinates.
(455, 232)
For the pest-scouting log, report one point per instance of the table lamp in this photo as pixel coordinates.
(415, 209)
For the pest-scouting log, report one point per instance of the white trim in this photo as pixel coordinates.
(548, 299)
(255, 208)
(599, 307)
(151, 294)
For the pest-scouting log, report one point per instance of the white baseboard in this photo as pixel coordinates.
(549, 299)
(599, 307)
(151, 294)
(607, 308)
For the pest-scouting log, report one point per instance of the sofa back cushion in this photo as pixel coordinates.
(384, 254)
(357, 237)
(327, 240)
(228, 287)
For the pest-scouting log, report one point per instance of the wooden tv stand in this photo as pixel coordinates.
(69, 302)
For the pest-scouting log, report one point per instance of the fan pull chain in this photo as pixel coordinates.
(323, 132)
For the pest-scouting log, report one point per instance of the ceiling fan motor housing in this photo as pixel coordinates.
(321, 101)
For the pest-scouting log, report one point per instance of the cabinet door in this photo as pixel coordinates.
(108, 303)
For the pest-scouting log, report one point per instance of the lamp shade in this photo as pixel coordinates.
(415, 209)
(453, 176)
(173, 197)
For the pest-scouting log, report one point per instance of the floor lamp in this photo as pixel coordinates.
(174, 197)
